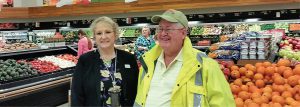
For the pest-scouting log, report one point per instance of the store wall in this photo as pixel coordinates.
(28, 3)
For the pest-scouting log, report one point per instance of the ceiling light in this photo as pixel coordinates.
(193, 22)
(252, 20)
(142, 24)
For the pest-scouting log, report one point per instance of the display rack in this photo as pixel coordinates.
(14, 36)
(56, 93)
(22, 92)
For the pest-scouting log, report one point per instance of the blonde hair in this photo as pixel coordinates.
(107, 20)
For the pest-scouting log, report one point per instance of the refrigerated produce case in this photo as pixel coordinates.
(44, 89)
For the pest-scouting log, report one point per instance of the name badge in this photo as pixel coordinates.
(127, 66)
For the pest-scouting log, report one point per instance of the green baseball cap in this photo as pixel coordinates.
(172, 15)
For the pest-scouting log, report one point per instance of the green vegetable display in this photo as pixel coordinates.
(12, 70)
(197, 30)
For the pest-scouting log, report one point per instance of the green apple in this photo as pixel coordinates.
(289, 55)
(286, 42)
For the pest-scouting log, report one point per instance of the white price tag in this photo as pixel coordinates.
(127, 66)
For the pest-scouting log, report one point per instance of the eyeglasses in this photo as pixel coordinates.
(160, 30)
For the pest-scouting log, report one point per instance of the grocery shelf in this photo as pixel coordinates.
(31, 81)
(33, 53)
(3, 92)
(51, 93)
(17, 51)
(73, 47)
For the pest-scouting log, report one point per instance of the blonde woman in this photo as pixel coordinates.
(105, 76)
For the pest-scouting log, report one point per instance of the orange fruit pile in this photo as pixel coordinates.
(266, 84)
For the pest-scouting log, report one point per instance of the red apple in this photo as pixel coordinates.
(281, 45)
(224, 63)
(284, 37)
(294, 42)
(226, 71)
(229, 64)
(286, 42)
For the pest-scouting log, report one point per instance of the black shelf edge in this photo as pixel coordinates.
(35, 80)
(13, 53)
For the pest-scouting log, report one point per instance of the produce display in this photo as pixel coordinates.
(68, 57)
(228, 29)
(57, 61)
(241, 28)
(225, 54)
(18, 46)
(247, 45)
(56, 38)
(7, 26)
(225, 50)
(44, 33)
(126, 47)
(290, 49)
(228, 48)
(225, 67)
(282, 25)
(276, 37)
(13, 70)
(204, 43)
(14, 36)
(225, 46)
(70, 35)
(212, 30)
(88, 33)
(291, 43)
(130, 32)
(255, 27)
(266, 84)
(40, 36)
(197, 30)
(289, 54)
(43, 66)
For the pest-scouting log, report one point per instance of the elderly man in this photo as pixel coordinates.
(174, 74)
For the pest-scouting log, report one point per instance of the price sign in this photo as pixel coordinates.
(294, 27)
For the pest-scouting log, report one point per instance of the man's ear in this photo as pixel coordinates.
(184, 32)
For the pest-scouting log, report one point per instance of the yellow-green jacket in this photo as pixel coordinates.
(200, 82)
